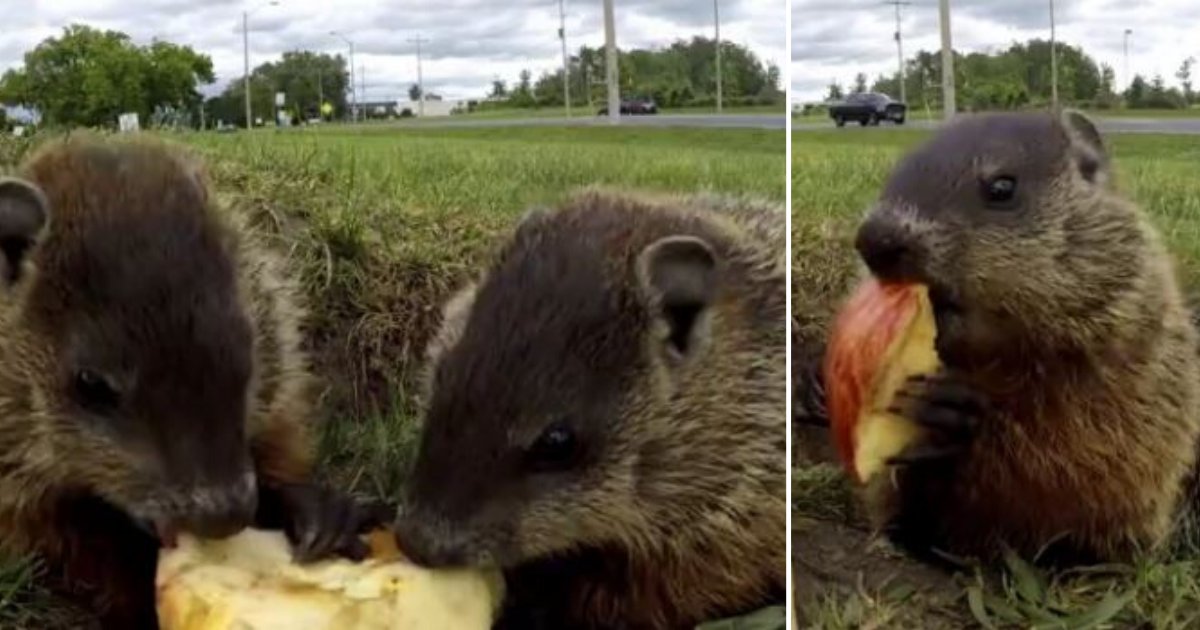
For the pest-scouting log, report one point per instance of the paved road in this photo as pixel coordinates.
(1107, 125)
(732, 121)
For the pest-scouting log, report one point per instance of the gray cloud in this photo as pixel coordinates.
(470, 41)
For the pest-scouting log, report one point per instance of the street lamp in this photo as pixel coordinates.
(717, 28)
(1128, 32)
(246, 56)
(562, 36)
(948, 104)
(353, 95)
(610, 64)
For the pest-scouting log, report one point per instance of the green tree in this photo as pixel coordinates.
(305, 77)
(1184, 74)
(499, 89)
(88, 77)
(860, 83)
(835, 92)
(414, 92)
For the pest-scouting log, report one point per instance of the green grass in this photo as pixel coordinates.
(382, 224)
(835, 178)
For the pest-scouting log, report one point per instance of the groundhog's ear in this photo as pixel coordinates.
(678, 275)
(1087, 145)
(24, 213)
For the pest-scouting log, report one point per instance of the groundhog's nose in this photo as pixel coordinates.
(428, 544)
(887, 250)
(220, 512)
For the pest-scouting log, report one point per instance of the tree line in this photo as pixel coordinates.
(1019, 77)
(88, 76)
(680, 75)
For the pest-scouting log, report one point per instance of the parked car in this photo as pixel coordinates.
(868, 108)
(634, 106)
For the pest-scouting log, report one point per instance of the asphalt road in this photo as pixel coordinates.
(730, 121)
(1107, 125)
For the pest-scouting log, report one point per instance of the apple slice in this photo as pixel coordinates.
(249, 582)
(883, 335)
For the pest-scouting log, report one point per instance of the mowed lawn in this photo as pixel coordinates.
(836, 175)
(381, 224)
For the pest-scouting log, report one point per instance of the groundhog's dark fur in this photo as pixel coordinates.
(1067, 408)
(151, 378)
(606, 416)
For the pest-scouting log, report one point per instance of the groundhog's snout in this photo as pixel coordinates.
(889, 249)
(430, 542)
(220, 511)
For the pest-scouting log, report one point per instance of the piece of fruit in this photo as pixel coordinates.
(883, 335)
(249, 582)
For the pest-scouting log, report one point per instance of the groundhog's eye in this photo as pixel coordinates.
(94, 391)
(1000, 190)
(555, 449)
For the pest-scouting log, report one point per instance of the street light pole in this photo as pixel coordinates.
(717, 24)
(1128, 32)
(1053, 63)
(420, 77)
(562, 35)
(610, 64)
(948, 104)
(353, 89)
(900, 48)
(246, 57)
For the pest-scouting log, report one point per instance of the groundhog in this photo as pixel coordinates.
(151, 376)
(1067, 408)
(605, 415)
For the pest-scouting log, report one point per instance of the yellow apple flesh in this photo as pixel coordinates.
(250, 582)
(882, 336)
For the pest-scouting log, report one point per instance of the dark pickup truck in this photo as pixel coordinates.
(868, 108)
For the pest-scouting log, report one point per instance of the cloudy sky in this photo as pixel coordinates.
(471, 41)
(834, 40)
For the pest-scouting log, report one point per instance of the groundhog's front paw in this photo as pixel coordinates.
(321, 521)
(947, 408)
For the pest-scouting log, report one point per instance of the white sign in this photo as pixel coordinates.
(279, 99)
(128, 123)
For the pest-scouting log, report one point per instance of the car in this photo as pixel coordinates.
(868, 108)
(634, 106)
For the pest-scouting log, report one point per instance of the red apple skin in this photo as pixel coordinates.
(870, 321)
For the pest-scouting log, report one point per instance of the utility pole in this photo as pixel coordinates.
(246, 57)
(1053, 63)
(948, 104)
(717, 24)
(562, 35)
(362, 86)
(418, 40)
(900, 48)
(610, 64)
(1128, 82)
(320, 96)
(353, 92)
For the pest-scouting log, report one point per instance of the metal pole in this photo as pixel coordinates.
(948, 104)
(353, 92)
(362, 86)
(1128, 82)
(900, 48)
(1053, 63)
(420, 77)
(717, 24)
(610, 64)
(562, 35)
(246, 65)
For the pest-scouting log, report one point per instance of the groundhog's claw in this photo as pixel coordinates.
(321, 522)
(948, 409)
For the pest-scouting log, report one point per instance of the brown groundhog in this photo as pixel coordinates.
(1067, 407)
(151, 379)
(606, 416)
